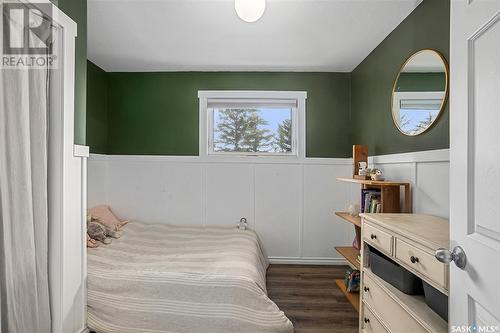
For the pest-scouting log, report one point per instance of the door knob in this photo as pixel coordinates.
(457, 255)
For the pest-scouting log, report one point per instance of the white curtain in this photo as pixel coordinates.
(24, 287)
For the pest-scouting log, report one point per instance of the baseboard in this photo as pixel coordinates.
(307, 261)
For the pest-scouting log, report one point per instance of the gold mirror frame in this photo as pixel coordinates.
(445, 99)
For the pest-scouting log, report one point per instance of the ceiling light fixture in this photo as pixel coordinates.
(250, 10)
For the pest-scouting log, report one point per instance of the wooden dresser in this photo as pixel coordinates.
(409, 240)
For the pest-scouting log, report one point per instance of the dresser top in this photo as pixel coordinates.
(428, 230)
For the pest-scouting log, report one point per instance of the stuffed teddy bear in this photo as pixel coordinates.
(100, 232)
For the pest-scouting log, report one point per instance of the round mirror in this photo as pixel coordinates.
(420, 92)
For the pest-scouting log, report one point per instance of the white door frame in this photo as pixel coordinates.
(67, 184)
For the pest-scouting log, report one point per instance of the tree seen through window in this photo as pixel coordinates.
(253, 130)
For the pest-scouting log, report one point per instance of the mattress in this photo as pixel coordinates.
(165, 278)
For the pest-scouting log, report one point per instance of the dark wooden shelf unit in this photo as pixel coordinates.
(390, 197)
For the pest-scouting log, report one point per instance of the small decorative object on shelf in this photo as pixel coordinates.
(351, 280)
(353, 210)
(363, 169)
(376, 174)
(360, 161)
(356, 243)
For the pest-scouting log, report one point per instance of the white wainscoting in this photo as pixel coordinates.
(290, 203)
(428, 173)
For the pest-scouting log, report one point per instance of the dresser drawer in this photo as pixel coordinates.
(422, 262)
(389, 311)
(370, 322)
(378, 238)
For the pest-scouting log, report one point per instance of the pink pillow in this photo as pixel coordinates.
(104, 215)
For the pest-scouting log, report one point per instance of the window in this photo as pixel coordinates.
(416, 115)
(414, 112)
(251, 123)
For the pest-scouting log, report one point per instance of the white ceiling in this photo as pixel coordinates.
(207, 35)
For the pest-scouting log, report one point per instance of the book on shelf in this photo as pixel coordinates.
(355, 243)
(371, 201)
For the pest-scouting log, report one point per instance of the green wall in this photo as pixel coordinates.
(97, 109)
(77, 10)
(421, 82)
(372, 81)
(157, 113)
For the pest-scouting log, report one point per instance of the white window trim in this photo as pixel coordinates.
(402, 95)
(298, 122)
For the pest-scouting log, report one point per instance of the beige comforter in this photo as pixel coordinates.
(164, 278)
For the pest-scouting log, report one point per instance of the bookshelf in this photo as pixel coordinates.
(356, 220)
(390, 191)
(351, 255)
(394, 197)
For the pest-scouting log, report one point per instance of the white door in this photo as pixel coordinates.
(475, 164)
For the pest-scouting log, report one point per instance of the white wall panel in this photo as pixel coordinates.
(278, 208)
(432, 194)
(323, 195)
(97, 181)
(156, 192)
(183, 193)
(427, 171)
(404, 172)
(229, 194)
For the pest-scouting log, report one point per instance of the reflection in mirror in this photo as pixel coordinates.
(420, 92)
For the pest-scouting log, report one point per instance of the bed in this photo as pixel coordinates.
(165, 278)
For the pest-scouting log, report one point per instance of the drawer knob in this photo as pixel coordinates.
(413, 259)
(372, 236)
(366, 320)
(366, 289)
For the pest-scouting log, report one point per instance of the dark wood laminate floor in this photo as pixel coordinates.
(310, 299)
